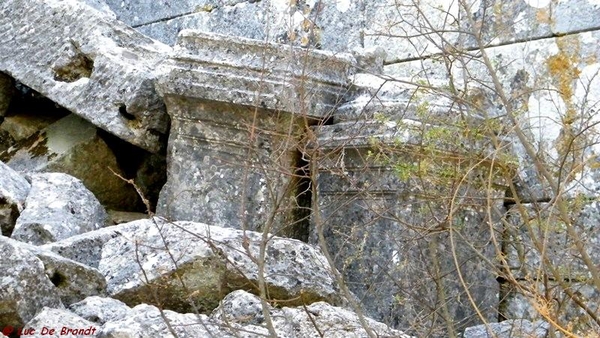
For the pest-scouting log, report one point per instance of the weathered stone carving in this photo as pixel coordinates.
(238, 107)
(392, 227)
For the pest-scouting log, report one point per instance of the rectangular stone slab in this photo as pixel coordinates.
(88, 62)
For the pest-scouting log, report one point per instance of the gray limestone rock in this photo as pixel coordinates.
(73, 281)
(146, 321)
(524, 302)
(58, 206)
(244, 309)
(386, 221)
(24, 287)
(13, 191)
(335, 26)
(101, 310)
(210, 261)
(65, 146)
(88, 62)
(85, 248)
(60, 323)
(509, 329)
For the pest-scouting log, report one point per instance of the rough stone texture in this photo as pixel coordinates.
(6, 93)
(63, 147)
(242, 308)
(146, 321)
(87, 62)
(509, 329)
(523, 303)
(13, 191)
(100, 310)
(211, 261)
(85, 248)
(389, 25)
(58, 206)
(118, 217)
(22, 126)
(61, 321)
(331, 25)
(387, 224)
(24, 287)
(238, 107)
(254, 73)
(74, 281)
(240, 315)
(545, 232)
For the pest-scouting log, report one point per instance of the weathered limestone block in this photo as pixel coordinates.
(211, 261)
(58, 206)
(88, 62)
(61, 320)
(74, 281)
(509, 329)
(331, 25)
(242, 308)
(246, 19)
(146, 321)
(13, 191)
(238, 107)
(85, 248)
(390, 24)
(24, 288)
(390, 191)
(100, 310)
(73, 146)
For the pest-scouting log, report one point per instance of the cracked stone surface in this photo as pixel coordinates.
(88, 62)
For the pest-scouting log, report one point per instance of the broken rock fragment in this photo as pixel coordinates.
(88, 62)
(190, 266)
(13, 192)
(24, 287)
(59, 206)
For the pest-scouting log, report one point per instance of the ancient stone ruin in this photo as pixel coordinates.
(331, 168)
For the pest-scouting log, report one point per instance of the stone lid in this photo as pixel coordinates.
(249, 72)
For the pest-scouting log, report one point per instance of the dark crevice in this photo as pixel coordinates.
(148, 170)
(123, 112)
(303, 196)
(58, 279)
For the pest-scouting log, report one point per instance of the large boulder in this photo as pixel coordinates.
(88, 62)
(59, 206)
(244, 309)
(184, 266)
(24, 287)
(73, 146)
(13, 191)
